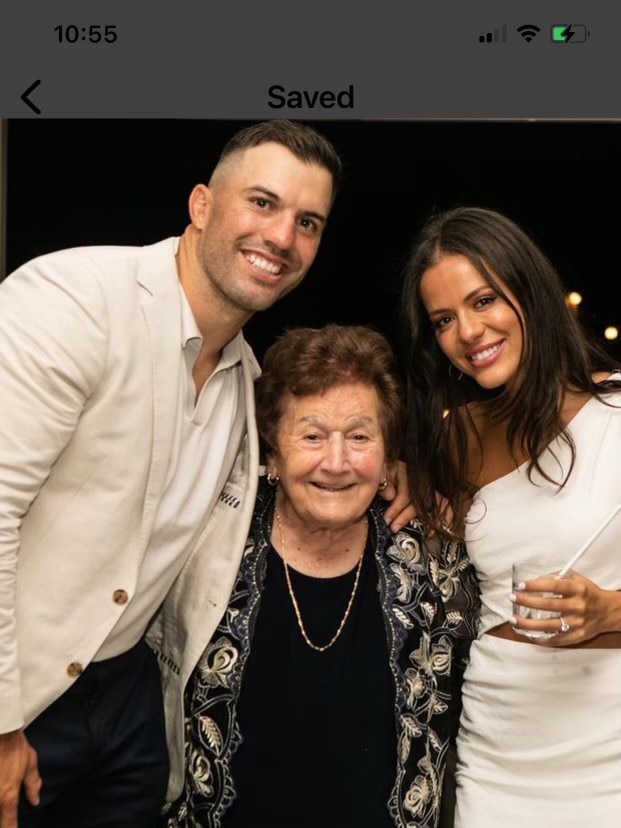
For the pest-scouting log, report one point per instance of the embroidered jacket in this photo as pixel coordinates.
(429, 601)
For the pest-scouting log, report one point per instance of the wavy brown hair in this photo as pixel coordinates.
(558, 355)
(306, 361)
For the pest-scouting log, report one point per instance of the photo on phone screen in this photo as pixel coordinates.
(110, 115)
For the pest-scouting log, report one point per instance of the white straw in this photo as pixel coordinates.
(586, 545)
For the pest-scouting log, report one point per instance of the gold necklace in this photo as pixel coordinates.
(296, 607)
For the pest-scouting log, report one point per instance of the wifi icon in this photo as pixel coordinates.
(528, 31)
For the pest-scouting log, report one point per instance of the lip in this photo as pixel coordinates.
(480, 358)
(262, 264)
(331, 488)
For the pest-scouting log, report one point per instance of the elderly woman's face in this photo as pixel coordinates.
(330, 456)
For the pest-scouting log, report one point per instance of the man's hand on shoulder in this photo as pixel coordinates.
(400, 511)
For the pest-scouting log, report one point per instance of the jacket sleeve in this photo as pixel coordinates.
(53, 346)
(455, 577)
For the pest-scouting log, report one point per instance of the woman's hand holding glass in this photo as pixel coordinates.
(585, 610)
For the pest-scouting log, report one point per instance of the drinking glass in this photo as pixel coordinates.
(527, 571)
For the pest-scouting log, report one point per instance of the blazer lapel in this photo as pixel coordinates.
(161, 306)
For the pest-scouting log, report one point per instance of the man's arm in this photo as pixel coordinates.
(52, 353)
(400, 511)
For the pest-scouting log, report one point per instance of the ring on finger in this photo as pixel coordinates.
(564, 625)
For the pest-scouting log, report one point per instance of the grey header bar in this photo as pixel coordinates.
(324, 60)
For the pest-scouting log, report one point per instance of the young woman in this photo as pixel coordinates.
(514, 431)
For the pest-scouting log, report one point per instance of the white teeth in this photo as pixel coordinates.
(331, 488)
(263, 264)
(488, 352)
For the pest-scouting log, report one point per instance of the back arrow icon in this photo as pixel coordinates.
(24, 97)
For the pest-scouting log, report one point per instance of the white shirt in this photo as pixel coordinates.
(203, 430)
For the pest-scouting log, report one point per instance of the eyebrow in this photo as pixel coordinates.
(275, 197)
(351, 422)
(466, 298)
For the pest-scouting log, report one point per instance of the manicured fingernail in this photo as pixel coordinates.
(521, 585)
(513, 597)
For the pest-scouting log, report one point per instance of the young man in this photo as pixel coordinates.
(128, 466)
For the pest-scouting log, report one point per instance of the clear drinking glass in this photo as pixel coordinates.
(527, 571)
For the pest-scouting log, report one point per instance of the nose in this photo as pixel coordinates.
(281, 231)
(335, 458)
(471, 327)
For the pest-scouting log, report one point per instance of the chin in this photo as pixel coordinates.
(493, 379)
(338, 519)
(489, 385)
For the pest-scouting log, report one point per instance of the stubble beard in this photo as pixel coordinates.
(231, 293)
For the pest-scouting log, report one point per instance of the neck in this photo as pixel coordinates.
(217, 321)
(320, 551)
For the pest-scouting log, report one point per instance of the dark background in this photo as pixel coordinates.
(73, 182)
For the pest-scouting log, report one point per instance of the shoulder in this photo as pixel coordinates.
(72, 258)
(76, 272)
(248, 356)
(602, 376)
(588, 405)
(609, 383)
(76, 265)
(408, 545)
(403, 556)
(454, 577)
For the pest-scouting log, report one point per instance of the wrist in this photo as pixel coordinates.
(10, 736)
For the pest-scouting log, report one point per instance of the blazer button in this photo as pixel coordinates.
(119, 596)
(74, 669)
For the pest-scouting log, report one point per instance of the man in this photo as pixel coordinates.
(128, 466)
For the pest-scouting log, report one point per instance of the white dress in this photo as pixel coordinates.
(540, 733)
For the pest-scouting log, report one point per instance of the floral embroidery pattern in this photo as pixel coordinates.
(428, 595)
(217, 662)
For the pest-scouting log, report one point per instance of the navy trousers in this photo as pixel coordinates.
(102, 748)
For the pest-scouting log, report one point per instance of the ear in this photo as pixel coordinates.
(270, 465)
(199, 206)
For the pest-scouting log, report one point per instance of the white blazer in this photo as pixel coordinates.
(89, 355)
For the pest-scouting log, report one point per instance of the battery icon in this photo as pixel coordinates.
(569, 33)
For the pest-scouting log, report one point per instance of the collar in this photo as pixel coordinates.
(191, 335)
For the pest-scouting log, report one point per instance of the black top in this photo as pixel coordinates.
(319, 747)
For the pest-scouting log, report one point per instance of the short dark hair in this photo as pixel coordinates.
(306, 361)
(301, 139)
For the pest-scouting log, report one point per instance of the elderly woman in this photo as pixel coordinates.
(324, 698)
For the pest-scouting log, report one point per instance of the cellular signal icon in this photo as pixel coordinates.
(528, 31)
(497, 36)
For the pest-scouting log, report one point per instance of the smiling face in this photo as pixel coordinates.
(330, 456)
(261, 220)
(478, 330)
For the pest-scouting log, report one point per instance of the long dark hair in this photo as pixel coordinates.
(558, 355)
